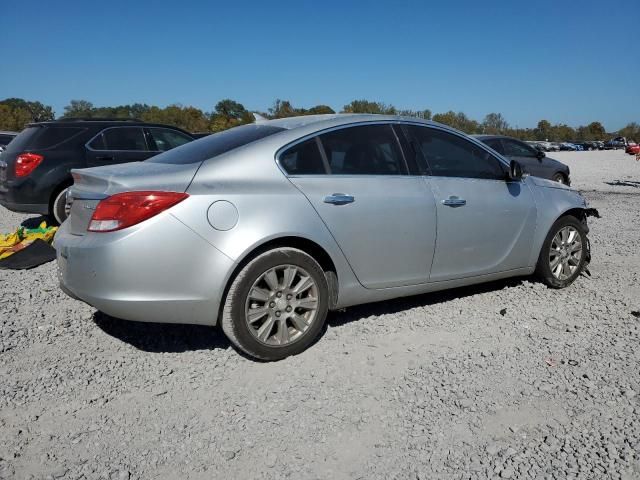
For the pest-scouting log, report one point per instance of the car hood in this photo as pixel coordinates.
(546, 183)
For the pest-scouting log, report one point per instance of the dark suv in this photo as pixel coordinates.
(34, 168)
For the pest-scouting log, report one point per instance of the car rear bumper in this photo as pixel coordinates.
(158, 271)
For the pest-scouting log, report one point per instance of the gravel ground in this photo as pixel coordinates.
(504, 380)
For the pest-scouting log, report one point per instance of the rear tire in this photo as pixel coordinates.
(564, 253)
(58, 212)
(277, 305)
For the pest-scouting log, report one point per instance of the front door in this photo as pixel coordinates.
(118, 145)
(485, 222)
(383, 219)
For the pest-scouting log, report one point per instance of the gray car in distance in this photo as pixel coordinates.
(533, 161)
(265, 227)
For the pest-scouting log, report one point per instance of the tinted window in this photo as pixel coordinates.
(494, 143)
(5, 139)
(38, 138)
(303, 159)
(449, 155)
(216, 144)
(364, 150)
(517, 149)
(166, 139)
(120, 138)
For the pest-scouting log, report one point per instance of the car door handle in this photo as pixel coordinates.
(454, 202)
(339, 199)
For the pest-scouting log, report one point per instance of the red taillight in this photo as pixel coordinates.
(26, 163)
(125, 209)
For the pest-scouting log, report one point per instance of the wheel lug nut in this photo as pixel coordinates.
(289, 308)
(289, 297)
(278, 314)
(272, 304)
(279, 294)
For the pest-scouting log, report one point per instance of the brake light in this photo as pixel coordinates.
(125, 209)
(26, 163)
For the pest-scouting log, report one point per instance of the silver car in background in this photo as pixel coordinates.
(265, 227)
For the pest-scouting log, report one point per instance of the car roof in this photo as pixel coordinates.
(99, 123)
(336, 119)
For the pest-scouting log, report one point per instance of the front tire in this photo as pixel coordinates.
(564, 253)
(277, 305)
(560, 178)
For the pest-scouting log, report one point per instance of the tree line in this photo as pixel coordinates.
(15, 113)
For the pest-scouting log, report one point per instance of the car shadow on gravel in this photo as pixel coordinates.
(162, 337)
(359, 312)
(624, 183)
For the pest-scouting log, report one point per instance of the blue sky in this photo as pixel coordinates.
(568, 62)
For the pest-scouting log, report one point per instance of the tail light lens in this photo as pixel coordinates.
(125, 209)
(26, 163)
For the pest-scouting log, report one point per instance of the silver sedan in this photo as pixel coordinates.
(265, 227)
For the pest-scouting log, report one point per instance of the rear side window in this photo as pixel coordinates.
(303, 159)
(40, 138)
(120, 138)
(496, 144)
(5, 139)
(166, 139)
(363, 150)
(449, 155)
(216, 144)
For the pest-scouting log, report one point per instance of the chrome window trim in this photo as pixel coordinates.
(317, 133)
(119, 126)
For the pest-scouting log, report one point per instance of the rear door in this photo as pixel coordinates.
(118, 145)
(485, 222)
(383, 219)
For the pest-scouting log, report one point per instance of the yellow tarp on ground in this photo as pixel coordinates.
(11, 243)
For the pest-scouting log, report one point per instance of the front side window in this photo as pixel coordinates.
(363, 150)
(120, 138)
(450, 155)
(166, 139)
(517, 149)
(303, 159)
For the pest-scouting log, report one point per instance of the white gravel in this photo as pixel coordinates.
(504, 380)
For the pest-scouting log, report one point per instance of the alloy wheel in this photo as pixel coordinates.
(565, 252)
(281, 305)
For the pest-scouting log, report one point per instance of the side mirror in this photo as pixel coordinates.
(515, 170)
(541, 155)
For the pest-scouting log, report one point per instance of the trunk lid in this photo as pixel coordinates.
(94, 184)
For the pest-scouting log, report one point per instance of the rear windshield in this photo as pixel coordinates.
(216, 144)
(39, 138)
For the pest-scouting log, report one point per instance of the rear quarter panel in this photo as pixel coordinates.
(268, 207)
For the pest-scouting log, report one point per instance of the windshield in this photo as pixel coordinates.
(216, 144)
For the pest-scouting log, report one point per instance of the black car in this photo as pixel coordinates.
(35, 167)
(533, 161)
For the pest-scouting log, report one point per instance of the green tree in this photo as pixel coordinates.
(15, 113)
(79, 108)
(631, 131)
(283, 109)
(365, 106)
(227, 114)
(494, 124)
(543, 130)
(320, 110)
(457, 120)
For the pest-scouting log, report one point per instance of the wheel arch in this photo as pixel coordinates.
(65, 183)
(311, 248)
